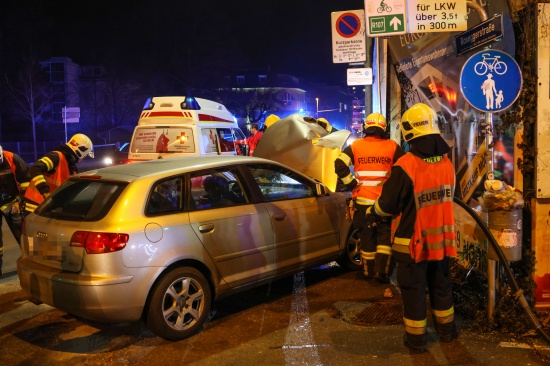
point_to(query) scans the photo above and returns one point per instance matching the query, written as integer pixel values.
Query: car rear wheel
(351, 257)
(180, 304)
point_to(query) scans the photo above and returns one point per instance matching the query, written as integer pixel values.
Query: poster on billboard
(428, 70)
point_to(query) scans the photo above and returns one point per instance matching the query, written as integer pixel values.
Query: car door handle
(206, 228)
(279, 216)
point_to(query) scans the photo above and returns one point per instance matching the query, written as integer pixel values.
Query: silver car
(159, 241)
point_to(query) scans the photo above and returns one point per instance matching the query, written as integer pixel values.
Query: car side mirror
(321, 190)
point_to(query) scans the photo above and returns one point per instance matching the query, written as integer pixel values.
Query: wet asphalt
(318, 317)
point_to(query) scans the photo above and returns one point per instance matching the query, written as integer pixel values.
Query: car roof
(129, 172)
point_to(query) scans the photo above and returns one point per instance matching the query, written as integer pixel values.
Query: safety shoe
(414, 349)
(446, 338)
(382, 278)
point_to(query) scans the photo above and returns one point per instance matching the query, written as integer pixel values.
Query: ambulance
(183, 126)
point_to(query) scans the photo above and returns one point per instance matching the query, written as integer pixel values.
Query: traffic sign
(491, 80)
(437, 16)
(348, 36)
(479, 35)
(71, 114)
(359, 76)
(385, 17)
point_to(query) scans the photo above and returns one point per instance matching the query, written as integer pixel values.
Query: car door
(305, 226)
(235, 233)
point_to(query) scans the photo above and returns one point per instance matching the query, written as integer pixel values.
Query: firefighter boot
(382, 265)
(447, 332)
(416, 343)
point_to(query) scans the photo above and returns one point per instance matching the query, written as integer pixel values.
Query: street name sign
(385, 17)
(348, 36)
(426, 16)
(491, 80)
(479, 35)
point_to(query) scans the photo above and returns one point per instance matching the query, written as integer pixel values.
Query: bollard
(506, 227)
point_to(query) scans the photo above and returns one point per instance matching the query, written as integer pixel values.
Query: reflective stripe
(48, 162)
(444, 316)
(372, 183)
(348, 178)
(38, 179)
(30, 207)
(368, 255)
(372, 173)
(415, 326)
(345, 158)
(401, 245)
(364, 201)
(383, 249)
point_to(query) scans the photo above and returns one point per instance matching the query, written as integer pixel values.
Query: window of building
(240, 80)
(262, 79)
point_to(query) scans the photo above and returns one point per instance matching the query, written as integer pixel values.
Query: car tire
(351, 257)
(180, 304)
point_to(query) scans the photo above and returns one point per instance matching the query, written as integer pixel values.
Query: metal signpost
(490, 81)
(70, 115)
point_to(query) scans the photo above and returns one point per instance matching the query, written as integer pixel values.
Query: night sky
(288, 36)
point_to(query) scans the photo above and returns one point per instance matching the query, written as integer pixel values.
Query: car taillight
(97, 243)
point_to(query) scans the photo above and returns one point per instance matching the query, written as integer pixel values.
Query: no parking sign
(491, 80)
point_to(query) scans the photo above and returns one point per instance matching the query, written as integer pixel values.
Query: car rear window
(81, 200)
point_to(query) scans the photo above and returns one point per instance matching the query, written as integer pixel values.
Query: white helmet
(81, 145)
(419, 120)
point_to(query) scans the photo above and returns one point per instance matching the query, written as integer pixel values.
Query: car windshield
(81, 200)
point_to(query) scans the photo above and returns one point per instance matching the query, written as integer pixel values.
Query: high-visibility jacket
(11, 186)
(53, 179)
(373, 159)
(434, 231)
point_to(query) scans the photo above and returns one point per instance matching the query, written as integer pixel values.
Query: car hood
(304, 146)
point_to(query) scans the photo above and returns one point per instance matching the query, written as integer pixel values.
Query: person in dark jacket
(50, 171)
(421, 188)
(14, 180)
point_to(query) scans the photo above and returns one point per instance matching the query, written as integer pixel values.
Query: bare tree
(252, 104)
(30, 90)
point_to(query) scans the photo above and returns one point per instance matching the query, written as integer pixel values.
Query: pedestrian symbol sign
(491, 81)
(385, 17)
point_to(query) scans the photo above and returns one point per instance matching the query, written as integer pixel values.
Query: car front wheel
(180, 304)
(351, 257)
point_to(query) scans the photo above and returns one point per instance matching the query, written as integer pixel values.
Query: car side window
(165, 197)
(217, 188)
(277, 183)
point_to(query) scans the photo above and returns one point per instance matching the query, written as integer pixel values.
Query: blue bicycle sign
(490, 63)
(490, 81)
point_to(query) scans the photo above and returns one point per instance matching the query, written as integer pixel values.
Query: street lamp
(316, 108)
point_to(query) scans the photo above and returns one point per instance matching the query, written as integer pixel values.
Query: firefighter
(372, 158)
(14, 180)
(421, 188)
(50, 171)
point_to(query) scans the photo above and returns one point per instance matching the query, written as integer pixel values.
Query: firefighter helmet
(271, 119)
(375, 120)
(324, 123)
(81, 145)
(419, 120)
